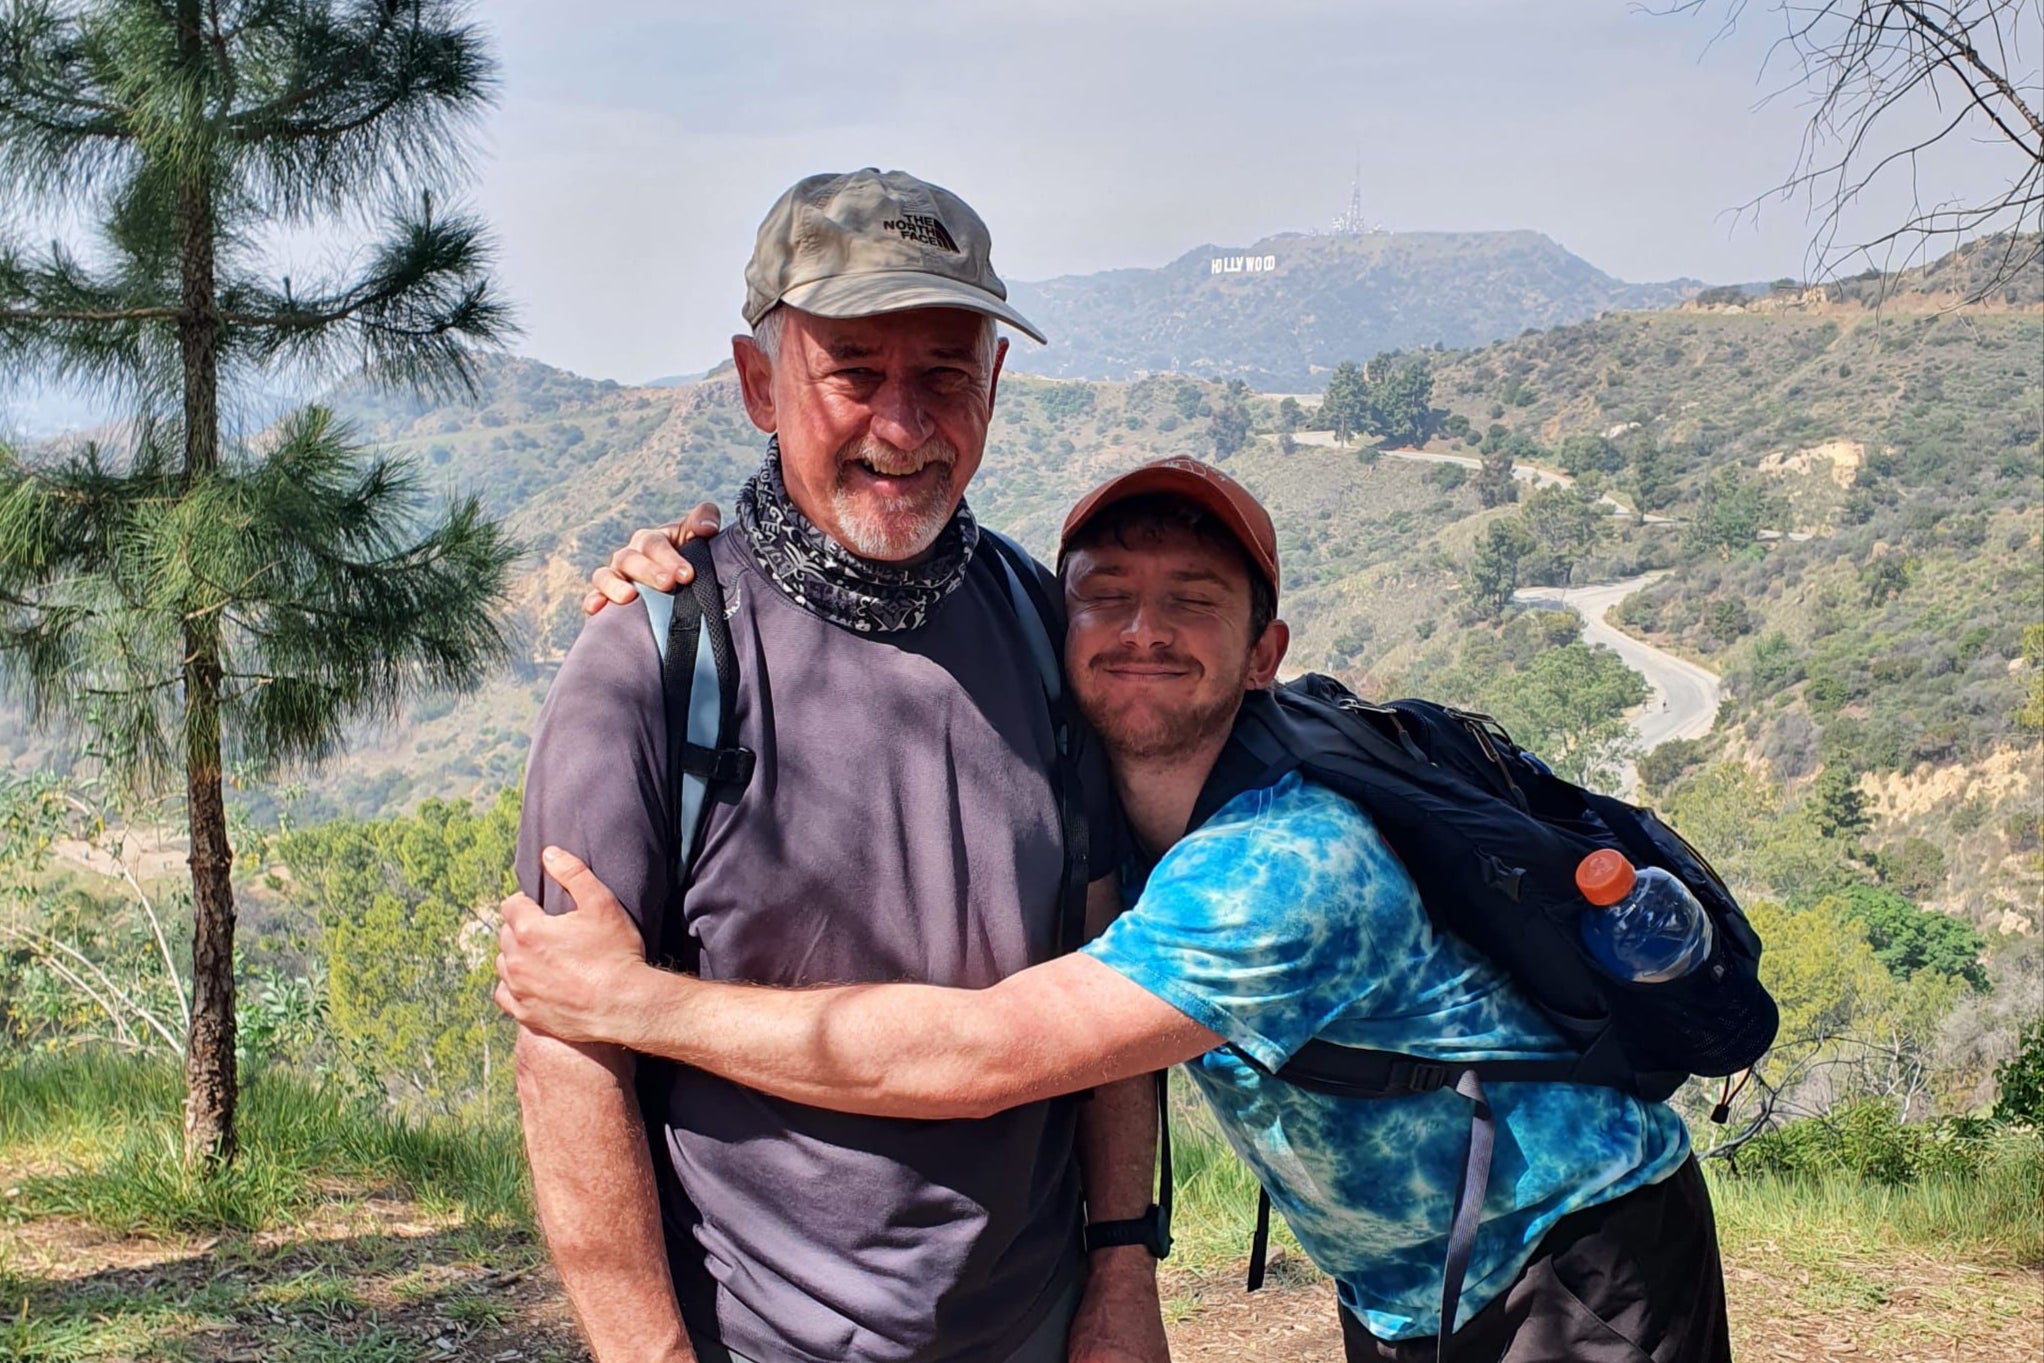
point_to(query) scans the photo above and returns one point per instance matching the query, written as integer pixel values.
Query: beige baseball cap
(875, 241)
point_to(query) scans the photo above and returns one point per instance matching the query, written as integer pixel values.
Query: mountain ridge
(1890, 455)
(1291, 305)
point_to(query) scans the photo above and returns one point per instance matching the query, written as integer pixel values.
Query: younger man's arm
(889, 1050)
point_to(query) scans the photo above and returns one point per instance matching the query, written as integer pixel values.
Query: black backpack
(1492, 840)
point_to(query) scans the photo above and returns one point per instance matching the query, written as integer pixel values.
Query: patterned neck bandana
(823, 577)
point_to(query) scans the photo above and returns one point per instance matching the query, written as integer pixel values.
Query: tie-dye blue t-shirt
(1284, 918)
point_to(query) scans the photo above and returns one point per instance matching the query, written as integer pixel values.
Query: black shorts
(1634, 1279)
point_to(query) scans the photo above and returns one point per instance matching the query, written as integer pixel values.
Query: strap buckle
(1422, 1076)
(721, 766)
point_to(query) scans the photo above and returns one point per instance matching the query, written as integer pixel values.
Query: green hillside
(1845, 498)
(1902, 442)
(1883, 439)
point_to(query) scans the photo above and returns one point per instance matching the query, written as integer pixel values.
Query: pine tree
(1494, 483)
(194, 597)
(1344, 405)
(1230, 425)
(1564, 522)
(1397, 399)
(1492, 574)
(1654, 471)
(1840, 807)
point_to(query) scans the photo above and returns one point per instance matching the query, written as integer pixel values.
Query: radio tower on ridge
(1353, 223)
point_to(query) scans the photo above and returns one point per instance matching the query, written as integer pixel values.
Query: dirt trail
(1539, 475)
(1784, 1306)
(384, 1280)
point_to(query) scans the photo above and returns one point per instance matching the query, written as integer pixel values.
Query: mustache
(1150, 656)
(866, 449)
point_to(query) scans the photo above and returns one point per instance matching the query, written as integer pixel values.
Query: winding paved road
(1685, 698)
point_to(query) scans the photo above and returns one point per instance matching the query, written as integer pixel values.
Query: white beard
(895, 528)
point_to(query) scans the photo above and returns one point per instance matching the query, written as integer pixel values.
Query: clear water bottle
(1643, 925)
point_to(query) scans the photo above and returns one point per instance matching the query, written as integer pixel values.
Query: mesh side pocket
(1716, 1020)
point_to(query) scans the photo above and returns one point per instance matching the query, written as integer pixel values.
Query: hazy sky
(638, 142)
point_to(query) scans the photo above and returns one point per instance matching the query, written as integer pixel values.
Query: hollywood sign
(1243, 264)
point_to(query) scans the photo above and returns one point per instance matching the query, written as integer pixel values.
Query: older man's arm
(592, 1179)
(593, 784)
(891, 1050)
(1120, 1316)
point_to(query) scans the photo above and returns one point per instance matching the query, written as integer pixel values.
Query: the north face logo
(920, 227)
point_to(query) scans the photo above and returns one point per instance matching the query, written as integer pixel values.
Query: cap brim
(883, 291)
(1183, 483)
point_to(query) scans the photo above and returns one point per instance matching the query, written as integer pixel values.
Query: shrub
(1868, 1139)
(408, 942)
(2024, 832)
(2019, 1080)
(1908, 940)
(1661, 768)
(1729, 620)
(1916, 867)
(1447, 477)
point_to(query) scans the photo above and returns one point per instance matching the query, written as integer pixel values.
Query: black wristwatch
(1151, 1230)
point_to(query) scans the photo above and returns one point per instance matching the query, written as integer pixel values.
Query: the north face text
(920, 227)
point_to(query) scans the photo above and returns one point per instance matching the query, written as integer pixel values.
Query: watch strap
(1148, 1230)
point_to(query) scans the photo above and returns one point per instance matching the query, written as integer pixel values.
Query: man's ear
(756, 381)
(1268, 652)
(994, 379)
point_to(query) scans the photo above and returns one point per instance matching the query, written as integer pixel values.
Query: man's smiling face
(882, 420)
(1159, 644)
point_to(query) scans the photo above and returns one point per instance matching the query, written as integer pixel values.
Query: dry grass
(363, 1242)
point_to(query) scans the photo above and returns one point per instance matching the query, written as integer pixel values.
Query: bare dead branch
(177, 984)
(50, 950)
(1870, 66)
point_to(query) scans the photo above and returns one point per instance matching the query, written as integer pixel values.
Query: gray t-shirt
(901, 825)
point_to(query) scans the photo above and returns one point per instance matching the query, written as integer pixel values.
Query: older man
(1280, 919)
(902, 822)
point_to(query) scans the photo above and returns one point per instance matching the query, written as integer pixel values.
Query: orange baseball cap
(1203, 484)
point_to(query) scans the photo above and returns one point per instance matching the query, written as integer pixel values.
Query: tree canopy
(1909, 940)
(192, 599)
(1391, 398)
(1344, 406)
(407, 915)
(1492, 574)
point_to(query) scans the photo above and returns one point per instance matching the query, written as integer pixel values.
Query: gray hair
(766, 334)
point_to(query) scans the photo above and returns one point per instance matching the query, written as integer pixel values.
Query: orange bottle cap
(1605, 877)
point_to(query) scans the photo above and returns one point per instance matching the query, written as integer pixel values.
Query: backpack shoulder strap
(1025, 593)
(699, 686)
